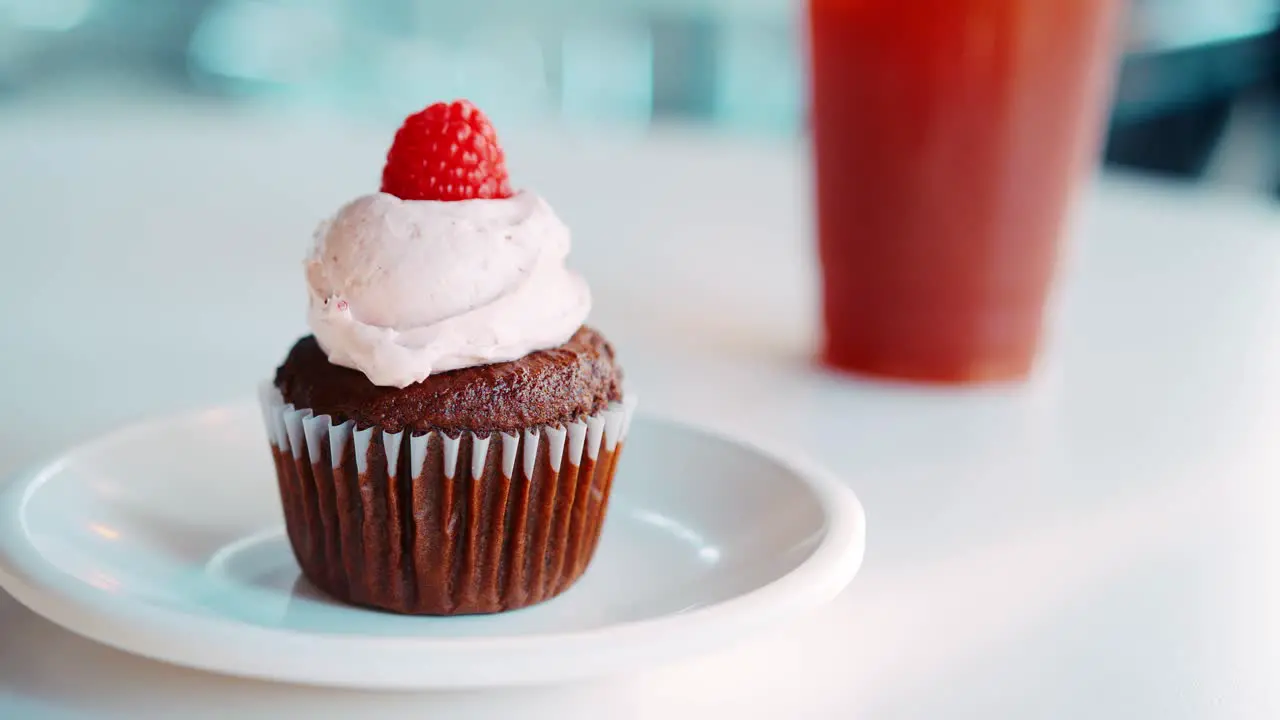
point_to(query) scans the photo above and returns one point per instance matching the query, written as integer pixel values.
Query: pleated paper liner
(435, 525)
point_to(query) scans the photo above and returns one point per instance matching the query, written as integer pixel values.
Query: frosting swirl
(401, 289)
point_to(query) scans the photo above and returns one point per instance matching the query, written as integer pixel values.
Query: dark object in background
(1274, 87)
(1177, 142)
(1182, 78)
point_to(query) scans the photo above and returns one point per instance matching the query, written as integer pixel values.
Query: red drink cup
(948, 137)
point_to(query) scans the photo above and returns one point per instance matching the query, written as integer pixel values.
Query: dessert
(446, 439)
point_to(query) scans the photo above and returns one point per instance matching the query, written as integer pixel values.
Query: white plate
(166, 540)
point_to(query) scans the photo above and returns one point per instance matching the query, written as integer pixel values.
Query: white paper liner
(378, 527)
(299, 430)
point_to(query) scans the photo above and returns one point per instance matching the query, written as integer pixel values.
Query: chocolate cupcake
(445, 442)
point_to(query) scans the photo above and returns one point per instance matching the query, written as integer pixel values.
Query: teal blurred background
(1196, 99)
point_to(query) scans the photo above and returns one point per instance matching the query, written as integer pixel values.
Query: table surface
(1101, 543)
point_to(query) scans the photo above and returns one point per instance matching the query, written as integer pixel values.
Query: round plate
(166, 540)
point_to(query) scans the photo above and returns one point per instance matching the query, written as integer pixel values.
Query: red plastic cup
(948, 138)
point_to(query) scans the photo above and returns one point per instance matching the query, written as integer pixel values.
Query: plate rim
(473, 662)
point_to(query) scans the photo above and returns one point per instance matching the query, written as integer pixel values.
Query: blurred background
(1197, 97)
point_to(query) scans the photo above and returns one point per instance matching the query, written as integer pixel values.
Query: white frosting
(401, 289)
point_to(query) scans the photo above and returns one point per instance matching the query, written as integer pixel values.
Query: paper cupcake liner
(436, 525)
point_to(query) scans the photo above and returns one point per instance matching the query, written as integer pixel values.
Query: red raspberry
(448, 151)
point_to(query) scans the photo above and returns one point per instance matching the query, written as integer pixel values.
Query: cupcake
(445, 441)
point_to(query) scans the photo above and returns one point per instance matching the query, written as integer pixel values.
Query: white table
(1100, 544)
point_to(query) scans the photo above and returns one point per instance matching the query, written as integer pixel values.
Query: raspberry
(448, 151)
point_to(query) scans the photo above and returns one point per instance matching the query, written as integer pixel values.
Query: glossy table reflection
(1099, 544)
